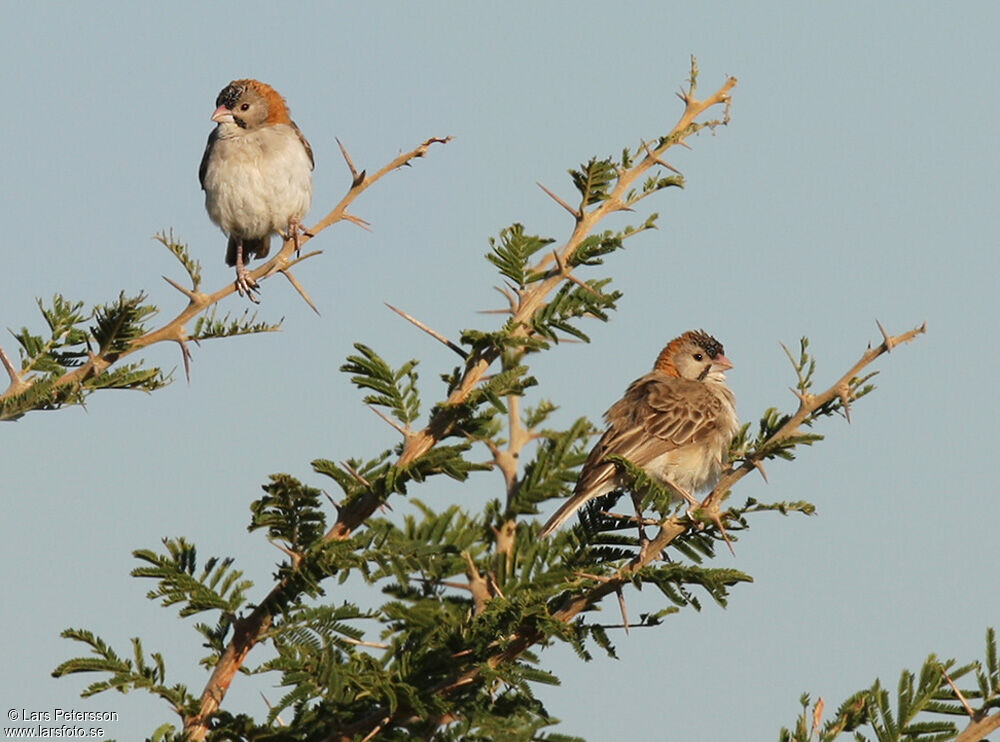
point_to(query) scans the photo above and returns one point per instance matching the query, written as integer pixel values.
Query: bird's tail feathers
(565, 512)
(593, 483)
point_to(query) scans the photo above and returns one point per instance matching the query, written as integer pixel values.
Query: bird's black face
(707, 345)
(696, 355)
(237, 99)
(229, 95)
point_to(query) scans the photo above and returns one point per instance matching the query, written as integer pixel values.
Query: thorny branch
(979, 728)
(175, 330)
(524, 303)
(669, 529)
(809, 403)
(247, 630)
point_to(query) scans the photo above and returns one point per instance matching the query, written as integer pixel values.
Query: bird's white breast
(257, 181)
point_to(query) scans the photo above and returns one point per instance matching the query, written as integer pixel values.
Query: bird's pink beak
(222, 115)
(722, 363)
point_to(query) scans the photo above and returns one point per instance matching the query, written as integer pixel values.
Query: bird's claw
(246, 284)
(294, 230)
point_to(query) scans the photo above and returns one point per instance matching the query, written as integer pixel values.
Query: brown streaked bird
(676, 423)
(256, 173)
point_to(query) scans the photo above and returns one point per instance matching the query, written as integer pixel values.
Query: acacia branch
(198, 302)
(978, 729)
(17, 384)
(363, 182)
(808, 404)
(532, 299)
(418, 443)
(669, 530)
(248, 631)
(673, 527)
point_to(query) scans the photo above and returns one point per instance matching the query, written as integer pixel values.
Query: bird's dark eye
(245, 106)
(697, 356)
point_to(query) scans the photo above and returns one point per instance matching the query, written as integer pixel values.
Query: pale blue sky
(858, 180)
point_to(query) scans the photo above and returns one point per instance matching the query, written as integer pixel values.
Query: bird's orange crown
(277, 109)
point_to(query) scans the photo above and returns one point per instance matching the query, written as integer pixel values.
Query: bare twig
(378, 728)
(658, 161)
(354, 473)
(566, 272)
(186, 357)
(809, 403)
(294, 556)
(389, 420)
(978, 729)
(17, 384)
(575, 212)
(433, 333)
(298, 287)
(759, 466)
(817, 714)
(621, 607)
(357, 221)
(958, 694)
(281, 722)
(356, 177)
(362, 181)
(360, 643)
(477, 584)
(191, 295)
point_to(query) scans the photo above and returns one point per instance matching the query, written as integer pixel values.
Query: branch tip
(804, 397)
(361, 181)
(191, 295)
(298, 287)
(657, 160)
(958, 694)
(186, 355)
(433, 333)
(356, 178)
(621, 607)
(717, 521)
(354, 473)
(15, 377)
(357, 221)
(336, 505)
(759, 466)
(575, 212)
(403, 431)
(845, 400)
(887, 339)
